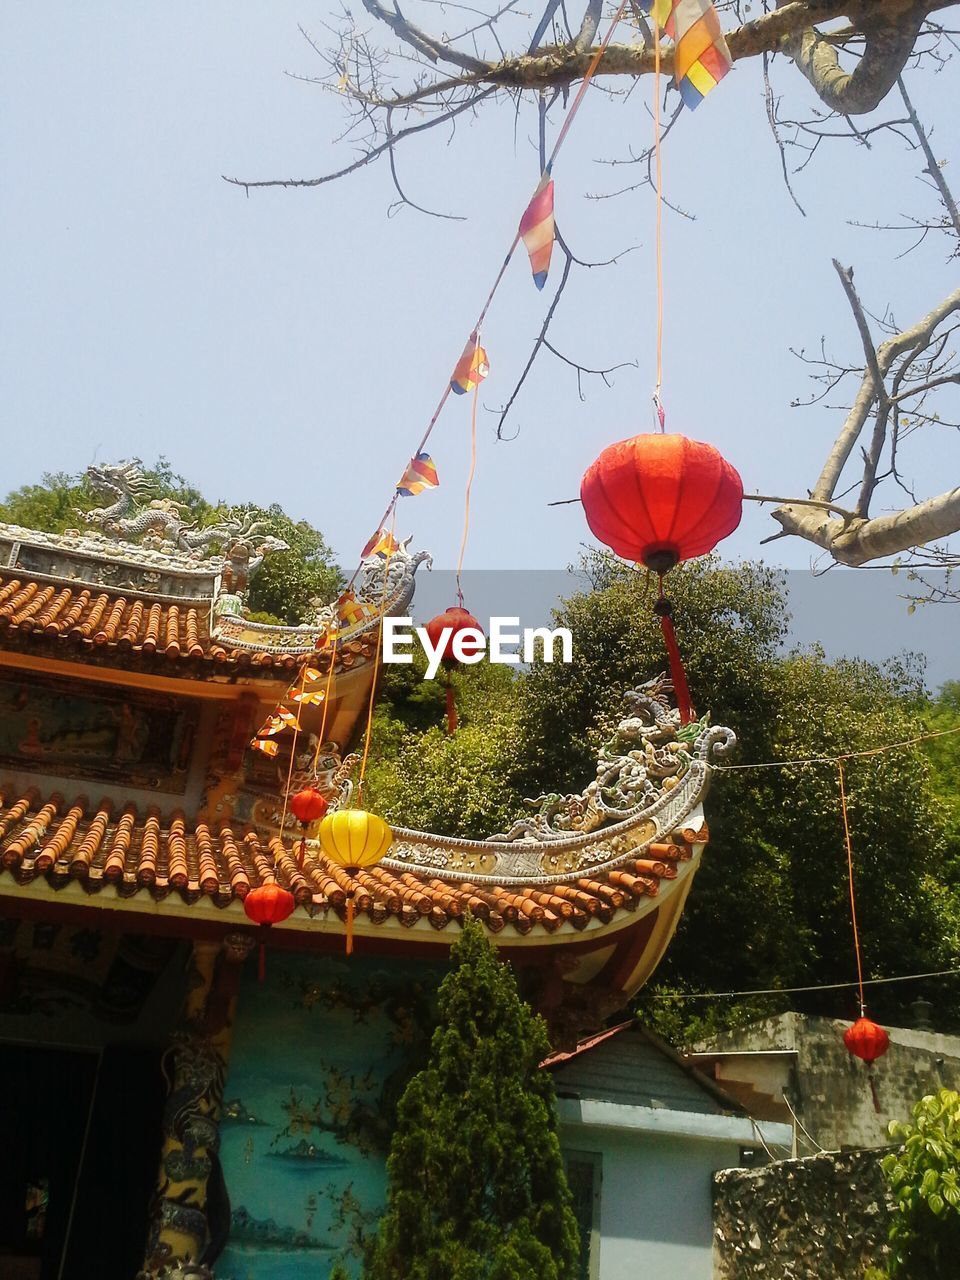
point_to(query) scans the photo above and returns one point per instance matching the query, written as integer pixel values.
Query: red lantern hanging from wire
(267, 905)
(307, 806)
(464, 637)
(866, 1040)
(657, 499)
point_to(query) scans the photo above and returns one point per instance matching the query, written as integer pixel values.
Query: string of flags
(701, 60)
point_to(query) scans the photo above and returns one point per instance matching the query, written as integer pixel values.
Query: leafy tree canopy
(770, 905)
(281, 591)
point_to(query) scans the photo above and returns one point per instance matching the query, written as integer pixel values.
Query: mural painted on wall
(57, 726)
(322, 1051)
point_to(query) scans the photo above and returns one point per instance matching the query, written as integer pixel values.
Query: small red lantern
(660, 499)
(866, 1040)
(308, 805)
(456, 620)
(266, 905)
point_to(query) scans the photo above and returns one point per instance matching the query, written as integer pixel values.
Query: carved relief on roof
(652, 776)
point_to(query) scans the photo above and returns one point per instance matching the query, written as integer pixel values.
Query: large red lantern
(660, 499)
(266, 905)
(456, 620)
(866, 1040)
(657, 500)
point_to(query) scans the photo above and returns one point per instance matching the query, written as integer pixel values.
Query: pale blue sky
(289, 347)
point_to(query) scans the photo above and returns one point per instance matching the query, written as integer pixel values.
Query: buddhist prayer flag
(383, 543)
(472, 368)
(309, 698)
(282, 719)
(420, 474)
(350, 610)
(268, 747)
(701, 56)
(536, 231)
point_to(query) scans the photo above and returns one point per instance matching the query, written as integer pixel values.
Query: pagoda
(136, 816)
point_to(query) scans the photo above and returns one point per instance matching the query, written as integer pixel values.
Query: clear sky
(290, 346)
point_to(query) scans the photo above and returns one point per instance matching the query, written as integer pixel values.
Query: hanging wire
(849, 755)
(473, 465)
(790, 991)
(853, 899)
(376, 666)
(658, 162)
(293, 748)
(561, 137)
(334, 630)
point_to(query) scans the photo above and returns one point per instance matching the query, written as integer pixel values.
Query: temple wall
(322, 1050)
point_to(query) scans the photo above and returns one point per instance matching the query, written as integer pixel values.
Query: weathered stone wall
(824, 1216)
(831, 1090)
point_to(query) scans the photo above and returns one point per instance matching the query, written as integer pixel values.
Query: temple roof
(138, 856)
(76, 621)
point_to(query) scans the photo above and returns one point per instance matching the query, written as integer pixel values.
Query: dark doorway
(81, 1146)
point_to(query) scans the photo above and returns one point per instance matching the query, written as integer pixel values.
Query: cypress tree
(476, 1185)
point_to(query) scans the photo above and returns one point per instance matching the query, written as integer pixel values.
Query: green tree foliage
(924, 1176)
(476, 1186)
(287, 583)
(770, 905)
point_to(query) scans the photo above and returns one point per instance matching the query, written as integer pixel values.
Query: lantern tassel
(664, 610)
(350, 925)
(451, 709)
(302, 853)
(873, 1088)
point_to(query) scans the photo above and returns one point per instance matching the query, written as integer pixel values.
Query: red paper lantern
(308, 805)
(866, 1040)
(659, 499)
(458, 620)
(269, 904)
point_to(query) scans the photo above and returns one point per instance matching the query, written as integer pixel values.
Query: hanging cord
(471, 471)
(544, 177)
(373, 684)
(853, 901)
(334, 631)
(658, 165)
(849, 755)
(664, 611)
(293, 751)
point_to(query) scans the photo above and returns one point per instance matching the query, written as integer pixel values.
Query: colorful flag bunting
(420, 474)
(472, 368)
(266, 745)
(308, 698)
(280, 720)
(350, 610)
(701, 56)
(536, 231)
(383, 543)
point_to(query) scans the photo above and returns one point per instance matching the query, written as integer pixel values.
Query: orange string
(376, 665)
(335, 627)
(658, 160)
(293, 749)
(853, 903)
(470, 473)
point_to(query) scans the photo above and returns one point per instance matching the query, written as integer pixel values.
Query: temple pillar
(185, 1233)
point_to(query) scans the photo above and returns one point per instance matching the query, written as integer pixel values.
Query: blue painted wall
(321, 1052)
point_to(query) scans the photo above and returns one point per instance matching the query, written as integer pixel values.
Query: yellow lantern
(354, 838)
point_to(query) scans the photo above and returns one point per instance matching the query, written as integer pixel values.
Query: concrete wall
(825, 1216)
(655, 1201)
(833, 1095)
